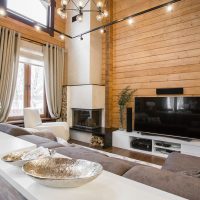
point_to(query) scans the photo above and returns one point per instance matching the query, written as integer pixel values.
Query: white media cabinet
(122, 139)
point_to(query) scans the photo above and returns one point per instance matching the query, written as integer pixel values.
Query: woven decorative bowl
(15, 158)
(62, 172)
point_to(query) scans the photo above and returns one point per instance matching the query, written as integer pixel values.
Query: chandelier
(80, 8)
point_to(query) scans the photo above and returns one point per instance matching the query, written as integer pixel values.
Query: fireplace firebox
(87, 118)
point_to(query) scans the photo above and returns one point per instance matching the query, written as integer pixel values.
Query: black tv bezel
(178, 137)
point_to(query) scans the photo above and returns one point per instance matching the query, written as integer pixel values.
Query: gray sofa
(179, 175)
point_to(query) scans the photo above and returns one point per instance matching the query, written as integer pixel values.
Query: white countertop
(107, 186)
(9, 143)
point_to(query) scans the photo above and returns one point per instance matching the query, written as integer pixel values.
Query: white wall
(84, 56)
(85, 97)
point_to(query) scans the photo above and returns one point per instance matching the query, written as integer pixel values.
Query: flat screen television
(169, 116)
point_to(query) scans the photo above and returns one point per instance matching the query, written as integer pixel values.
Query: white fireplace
(86, 98)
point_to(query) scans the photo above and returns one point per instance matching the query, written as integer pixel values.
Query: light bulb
(99, 17)
(169, 8)
(103, 30)
(80, 4)
(99, 4)
(62, 13)
(62, 37)
(37, 27)
(2, 12)
(130, 21)
(79, 17)
(64, 2)
(105, 13)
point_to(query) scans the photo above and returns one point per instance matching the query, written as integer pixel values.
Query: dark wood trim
(51, 16)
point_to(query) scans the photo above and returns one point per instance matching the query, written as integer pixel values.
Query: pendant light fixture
(80, 8)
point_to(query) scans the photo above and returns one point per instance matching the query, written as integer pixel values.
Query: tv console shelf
(158, 145)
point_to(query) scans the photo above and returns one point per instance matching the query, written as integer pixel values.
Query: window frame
(27, 95)
(50, 17)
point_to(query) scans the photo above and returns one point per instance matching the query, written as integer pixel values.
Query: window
(29, 90)
(31, 12)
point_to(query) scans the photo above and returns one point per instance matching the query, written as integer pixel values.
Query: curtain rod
(32, 41)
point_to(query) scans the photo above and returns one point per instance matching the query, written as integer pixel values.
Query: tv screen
(172, 116)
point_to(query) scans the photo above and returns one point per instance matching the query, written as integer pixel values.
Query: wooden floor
(129, 154)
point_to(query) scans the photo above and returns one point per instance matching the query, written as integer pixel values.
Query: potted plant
(124, 97)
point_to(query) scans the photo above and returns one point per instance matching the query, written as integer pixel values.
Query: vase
(121, 117)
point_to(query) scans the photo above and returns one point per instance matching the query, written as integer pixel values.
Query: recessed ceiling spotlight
(169, 8)
(2, 12)
(37, 27)
(130, 20)
(62, 37)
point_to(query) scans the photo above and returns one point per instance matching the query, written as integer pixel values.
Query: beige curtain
(9, 56)
(54, 69)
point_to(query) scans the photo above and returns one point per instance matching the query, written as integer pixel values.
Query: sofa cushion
(177, 162)
(51, 145)
(13, 130)
(181, 185)
(35, 139)
(46, 134)
(113, 165)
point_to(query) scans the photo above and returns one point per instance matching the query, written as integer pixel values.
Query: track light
(103, 30)
(2, 12)
(37, 28)
(130, 21)
(79, 17)
(81, 38)
(62, 37)
(169, 8)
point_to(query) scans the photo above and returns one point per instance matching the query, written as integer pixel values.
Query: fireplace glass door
(87, 118)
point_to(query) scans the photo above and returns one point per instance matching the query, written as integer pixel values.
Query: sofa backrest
(13, 130)
(177, 162)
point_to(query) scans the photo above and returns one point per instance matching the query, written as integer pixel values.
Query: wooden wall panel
(29, 32)
(159, 50)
